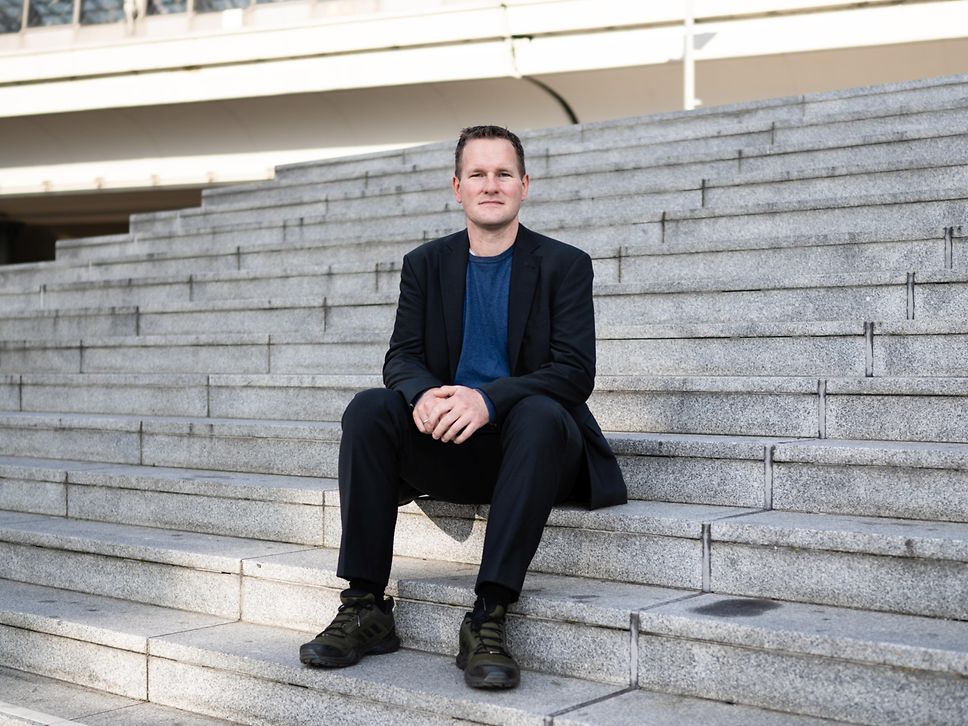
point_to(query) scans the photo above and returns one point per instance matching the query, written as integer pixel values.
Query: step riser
(861, 302)
(185, 588)
(916, 586)
(88, 664)
(788, 356)
(71, 326)
(744, 414)
(625, 557)
(815, 686)
(927, 494)
(238, 697)
(278, 521)
(848, 186)
(118, 447)
(822, 259)
(936, 214)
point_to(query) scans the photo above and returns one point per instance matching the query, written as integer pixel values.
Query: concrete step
(224, 272)
(604, 543)
(880, 478)
(873, 249)
(249, 672)
(892, 409)
(922, 208)
(260, 506)
(888, 296)
(649, 265)
(349, 352)
(859, 666)
(297, 281)
(641, 191)
(892, 565)
(553, 628)
(720, 182)
(882, 409)
(746, 157)
(32, 700)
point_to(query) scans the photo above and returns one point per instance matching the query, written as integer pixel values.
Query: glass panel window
(11, 13)
(208, 6)
(166, 7)
(50, 12)
(102, 11)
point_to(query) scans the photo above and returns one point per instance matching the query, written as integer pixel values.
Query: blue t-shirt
(484, 352)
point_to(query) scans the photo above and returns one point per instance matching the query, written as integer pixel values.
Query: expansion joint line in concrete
(949, 241)
(269, 354)
(137, 320)
(325, 315)
(238, 258)
(208, 396)
(706, 556)
(768, 477)
(910, 296)
(739, 161)
(620, 258)
(662, 226)
(702, 193)
(869, 349)
(141, 443)
(634, 649)
(549, 720)
(80, 356)
(822, 408)
(191, 288)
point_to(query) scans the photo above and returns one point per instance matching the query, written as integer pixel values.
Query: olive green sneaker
(361, 627)
(484, 656)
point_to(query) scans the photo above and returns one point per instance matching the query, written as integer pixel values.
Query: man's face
(490, 186)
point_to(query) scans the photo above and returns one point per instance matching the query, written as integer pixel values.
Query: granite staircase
(781, 290)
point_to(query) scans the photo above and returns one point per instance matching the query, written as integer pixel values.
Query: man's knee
(372, 406)
(544, 418)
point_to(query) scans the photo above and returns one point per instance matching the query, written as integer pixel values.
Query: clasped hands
(450, 413)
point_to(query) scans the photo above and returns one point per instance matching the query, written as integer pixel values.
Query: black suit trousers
(521, 469)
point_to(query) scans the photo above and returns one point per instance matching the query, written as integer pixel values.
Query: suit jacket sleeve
(405, 368)
(567, 374)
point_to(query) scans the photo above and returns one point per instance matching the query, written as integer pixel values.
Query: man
(490, 363)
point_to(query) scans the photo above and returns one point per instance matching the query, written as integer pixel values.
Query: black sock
(491, 594)
(371, 587)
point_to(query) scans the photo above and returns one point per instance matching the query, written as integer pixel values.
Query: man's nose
(490, 183)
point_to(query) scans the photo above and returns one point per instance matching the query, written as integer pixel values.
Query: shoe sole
(307, 657)
(493, 680)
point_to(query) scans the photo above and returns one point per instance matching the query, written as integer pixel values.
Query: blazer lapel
(524, 279)
(453, 281)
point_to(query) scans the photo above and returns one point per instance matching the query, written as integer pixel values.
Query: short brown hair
(487, 132)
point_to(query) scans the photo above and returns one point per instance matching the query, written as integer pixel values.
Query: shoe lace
(345, 616)
(490, 636)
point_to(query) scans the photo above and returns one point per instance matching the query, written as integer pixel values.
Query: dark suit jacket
(551, 338)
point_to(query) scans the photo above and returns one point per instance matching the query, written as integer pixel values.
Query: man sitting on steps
(490, 363)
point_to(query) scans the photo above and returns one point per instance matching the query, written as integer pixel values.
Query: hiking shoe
(484, 656)
(361, 627)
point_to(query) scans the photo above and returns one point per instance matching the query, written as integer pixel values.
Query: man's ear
(456, 183)
(525, 183)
